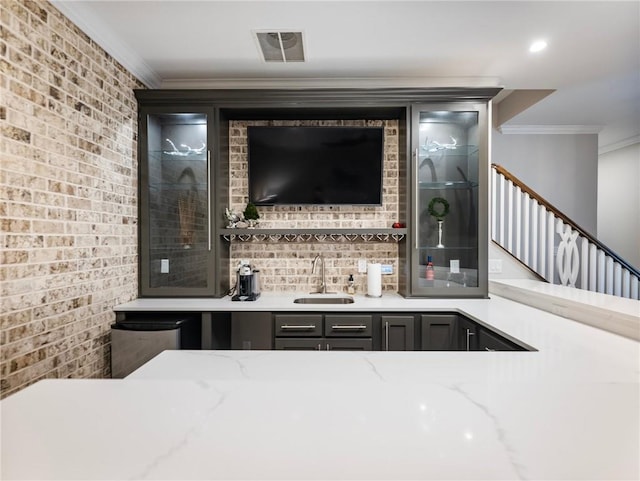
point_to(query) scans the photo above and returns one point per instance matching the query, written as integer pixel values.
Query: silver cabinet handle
(304, 327)
(319, 346)
(490, 350)
(354, 327)
(209, 199)
(328, 347)
(416, 203)
(469, 334)
(386, 335)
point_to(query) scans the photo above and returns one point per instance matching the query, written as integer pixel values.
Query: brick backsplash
(287, 266)
(68, 188)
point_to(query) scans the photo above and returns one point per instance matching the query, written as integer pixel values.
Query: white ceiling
(592, 61)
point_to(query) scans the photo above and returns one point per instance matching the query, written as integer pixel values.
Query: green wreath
(432, 207)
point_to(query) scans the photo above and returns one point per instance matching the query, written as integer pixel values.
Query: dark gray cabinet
(347, 325)
(488, 340)
(397, 332)
(325, 332)
(298, 325)
(448, 237)
(298, 344)
(179, 252)
(439, 332)
(323, 344)
(387, 331)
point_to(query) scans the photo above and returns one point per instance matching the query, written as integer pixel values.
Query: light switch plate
(164, 266)
(362, 266)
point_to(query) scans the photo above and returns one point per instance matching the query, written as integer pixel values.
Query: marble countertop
(570, 410)
(275, 301)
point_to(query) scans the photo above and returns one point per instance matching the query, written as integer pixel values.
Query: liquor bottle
(430, 274)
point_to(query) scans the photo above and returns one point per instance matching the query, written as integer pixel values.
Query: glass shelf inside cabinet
(429, 150)
(456, 184)
(447, 248)
(184, 155)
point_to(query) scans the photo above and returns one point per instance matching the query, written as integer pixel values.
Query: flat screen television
(315, 165)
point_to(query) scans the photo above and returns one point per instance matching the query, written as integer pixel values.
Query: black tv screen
(315, 165)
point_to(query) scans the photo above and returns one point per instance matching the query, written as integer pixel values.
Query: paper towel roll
(374, 280)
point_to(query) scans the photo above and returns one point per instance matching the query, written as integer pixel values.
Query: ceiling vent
(281, 46)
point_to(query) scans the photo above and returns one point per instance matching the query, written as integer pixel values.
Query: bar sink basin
(324, 300)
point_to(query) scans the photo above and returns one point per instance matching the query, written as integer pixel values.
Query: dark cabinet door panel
(489, 341)
(397, 333)
(438, 332)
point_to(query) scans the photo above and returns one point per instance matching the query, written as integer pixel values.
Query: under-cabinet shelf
(318, 235)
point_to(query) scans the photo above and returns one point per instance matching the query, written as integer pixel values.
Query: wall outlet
(495, 266)
(362, 266)
(386, 269)
(164, 266)
(454, 266)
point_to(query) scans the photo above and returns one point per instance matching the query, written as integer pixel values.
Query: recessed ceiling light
(538, 46)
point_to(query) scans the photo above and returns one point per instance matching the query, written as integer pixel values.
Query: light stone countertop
(570, 410)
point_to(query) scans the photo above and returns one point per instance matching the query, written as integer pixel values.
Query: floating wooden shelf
(318, 235)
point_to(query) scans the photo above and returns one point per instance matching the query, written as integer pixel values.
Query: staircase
(552, 245)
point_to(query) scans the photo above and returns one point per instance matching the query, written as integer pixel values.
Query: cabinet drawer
(298, 325)
(336, 325)
(299, 344)
(343, 344)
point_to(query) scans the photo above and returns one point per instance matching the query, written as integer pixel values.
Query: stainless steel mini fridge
(136, 341)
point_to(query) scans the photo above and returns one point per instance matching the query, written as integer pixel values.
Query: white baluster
(617, 279)
(634, 288)
(494, 203)
(518, 221)
(593, 268)
(542, 230)
(626, 283)
(609, 278)
(525, 222)
(551, 236)
(502, 214)
(568, 258)
(601, 273)
(534, 235)
(510, 216)
(584, 263)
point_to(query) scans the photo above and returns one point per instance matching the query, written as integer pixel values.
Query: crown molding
(620, 144)
(86, 21)
(550, 129)
(334, 82)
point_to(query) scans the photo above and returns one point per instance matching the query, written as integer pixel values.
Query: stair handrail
(550, 207)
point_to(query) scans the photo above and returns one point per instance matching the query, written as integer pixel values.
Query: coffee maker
(247, 283)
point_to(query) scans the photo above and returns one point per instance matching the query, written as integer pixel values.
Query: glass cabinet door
(450, 222)
(176, 236)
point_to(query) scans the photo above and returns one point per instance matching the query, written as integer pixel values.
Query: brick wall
(68, 189)
(286, 266)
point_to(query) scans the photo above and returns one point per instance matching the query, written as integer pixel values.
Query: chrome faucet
(323, 286)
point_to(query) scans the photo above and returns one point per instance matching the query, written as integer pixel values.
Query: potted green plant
(251, 215)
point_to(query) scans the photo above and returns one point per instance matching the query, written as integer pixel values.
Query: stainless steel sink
(324, 300)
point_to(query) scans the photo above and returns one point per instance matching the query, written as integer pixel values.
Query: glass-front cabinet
(449, 202)
(176, 178)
